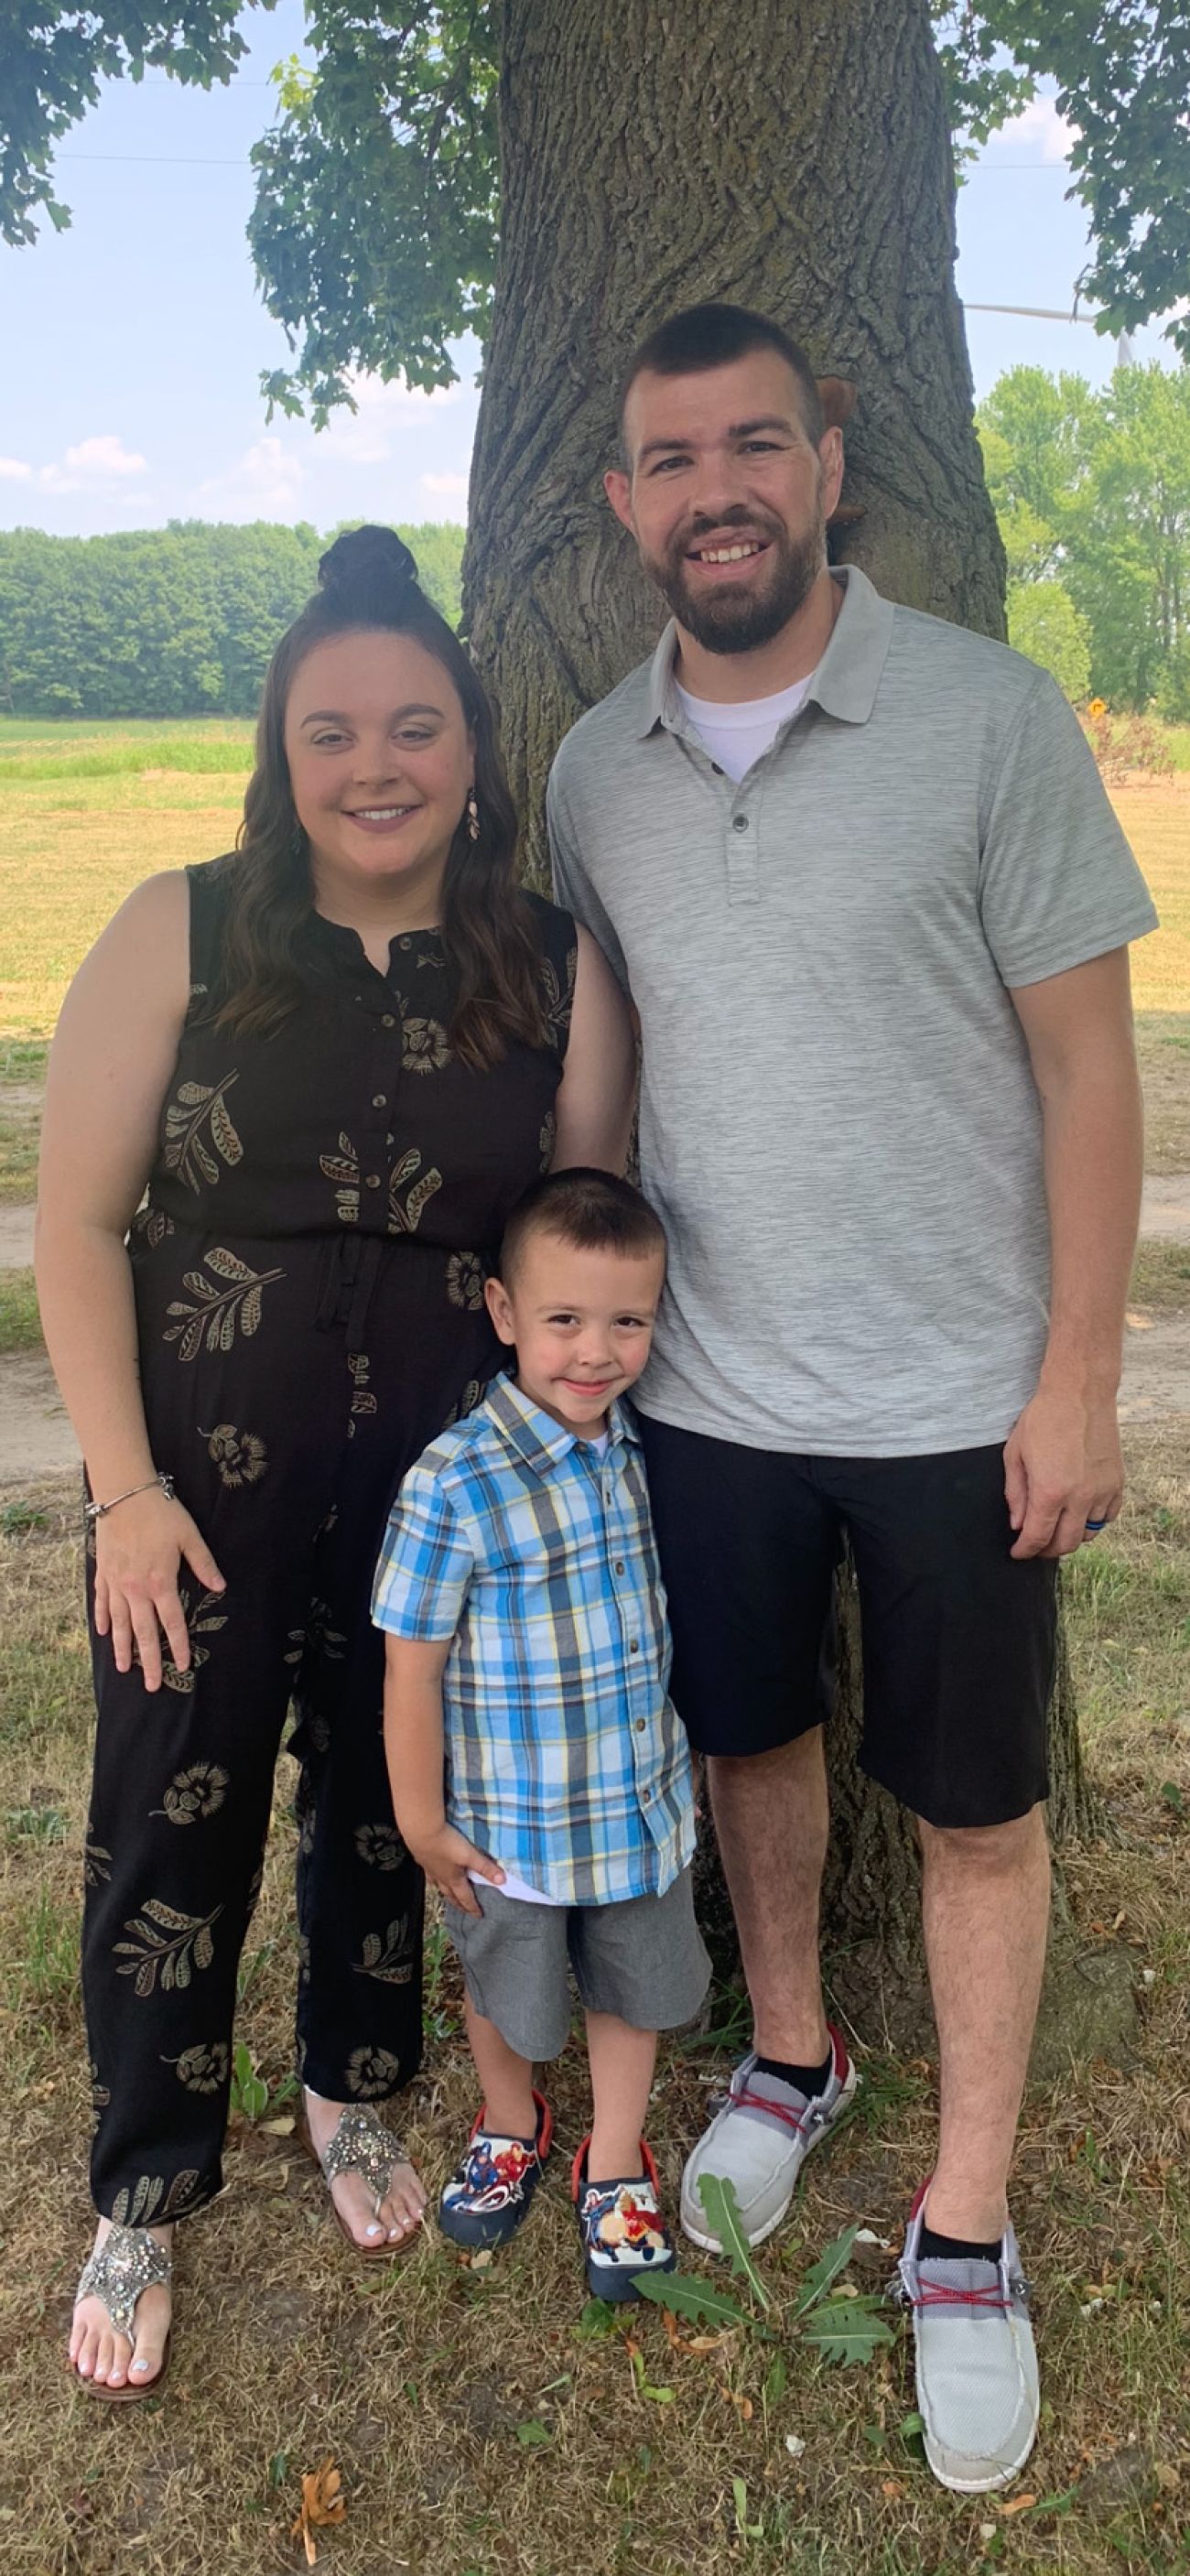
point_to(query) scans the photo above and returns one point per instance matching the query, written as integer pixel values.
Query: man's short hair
(593, 1211)
(714, 335)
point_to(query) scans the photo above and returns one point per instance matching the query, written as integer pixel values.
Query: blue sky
(139, 401)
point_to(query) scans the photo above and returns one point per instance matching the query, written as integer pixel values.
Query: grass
(20, 1322)
(484, 2421)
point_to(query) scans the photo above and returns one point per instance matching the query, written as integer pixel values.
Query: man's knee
(979, 1850)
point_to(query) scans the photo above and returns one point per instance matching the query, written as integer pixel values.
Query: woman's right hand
(139, 1549)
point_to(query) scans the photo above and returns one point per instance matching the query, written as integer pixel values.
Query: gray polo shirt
(839, 1126)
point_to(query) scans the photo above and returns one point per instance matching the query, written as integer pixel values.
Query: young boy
(526, 1637)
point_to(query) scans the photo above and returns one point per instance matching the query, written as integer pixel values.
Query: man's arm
(1063, 1465)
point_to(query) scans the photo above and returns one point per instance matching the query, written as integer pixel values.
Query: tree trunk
(793, 156)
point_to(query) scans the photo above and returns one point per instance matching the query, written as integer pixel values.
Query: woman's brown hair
(368, 582)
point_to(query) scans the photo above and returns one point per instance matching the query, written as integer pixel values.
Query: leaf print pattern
(380, 1846)
(372, 2073)
(559, 993)
(194, 1794)
(343, 1169)
(166, 1944)
(151, 1225)
(201, 2069)
(426, 1047)
(97, 1863)
(198, 1105)
(389, 1960)
(100, 2098)
(404, 1215)
(470, 1397)
(149, 2199)
(240, 1456)
(203, 1621)
(214, 1317)
(547, 1139)
(464, 1281)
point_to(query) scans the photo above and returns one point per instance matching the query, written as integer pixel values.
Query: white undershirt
(736, 736)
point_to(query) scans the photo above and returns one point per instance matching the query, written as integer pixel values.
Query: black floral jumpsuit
(308, 1271)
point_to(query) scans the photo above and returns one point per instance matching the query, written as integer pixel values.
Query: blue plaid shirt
(566, 1759)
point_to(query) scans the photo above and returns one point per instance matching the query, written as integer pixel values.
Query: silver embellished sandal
(361, 2144)
(128, 2262)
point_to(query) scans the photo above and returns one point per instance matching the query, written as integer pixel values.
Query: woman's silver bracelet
(99, 1511)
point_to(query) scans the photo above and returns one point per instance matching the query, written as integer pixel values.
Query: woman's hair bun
(367, 571)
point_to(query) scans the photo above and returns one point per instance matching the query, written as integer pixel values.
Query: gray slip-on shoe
(977, 2383)
(758, 2141)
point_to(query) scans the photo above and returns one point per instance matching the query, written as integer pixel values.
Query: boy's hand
(446, 1857)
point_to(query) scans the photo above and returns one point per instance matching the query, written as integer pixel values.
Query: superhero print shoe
(620, 2222)
(489, 2192)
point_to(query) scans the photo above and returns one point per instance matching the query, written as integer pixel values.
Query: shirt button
(373, 1181)
(645, 1796)
(739, 823)
(618, 1567)
(634, 1645)
(406, 943)
(387, 1021)
(640, 1726)
(378, 1100)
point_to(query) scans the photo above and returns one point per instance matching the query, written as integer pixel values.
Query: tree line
(175, 621)
(1092, 494)
(1091, 491)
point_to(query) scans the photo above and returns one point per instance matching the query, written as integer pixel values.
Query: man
(857, 871)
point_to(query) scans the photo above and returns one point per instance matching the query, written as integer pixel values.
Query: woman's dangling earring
(472, 815)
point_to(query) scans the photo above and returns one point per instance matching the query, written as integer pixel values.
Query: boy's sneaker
(623, 2231)
(488, 2195)
(759, 2141)
(977, 2386)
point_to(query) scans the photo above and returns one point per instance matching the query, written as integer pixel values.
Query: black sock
(804, 2079)
(956, 2249)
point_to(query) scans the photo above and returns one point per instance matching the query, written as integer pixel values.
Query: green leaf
(644, 2388)
(533, 2435)
(723, 2218)
(747, 2530)
(847, 2330)
(685, 2294)
(823, 2274)
(775, 2378)
(598, 2320)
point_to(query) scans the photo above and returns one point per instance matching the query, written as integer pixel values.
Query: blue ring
(1095, 1526)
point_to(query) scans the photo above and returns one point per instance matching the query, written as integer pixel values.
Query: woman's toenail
(140, 2365)
(373, 2229)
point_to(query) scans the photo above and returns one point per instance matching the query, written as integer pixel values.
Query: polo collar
(533, 1433)
(847, 677)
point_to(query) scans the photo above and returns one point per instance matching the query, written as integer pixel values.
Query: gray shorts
(642, 1960)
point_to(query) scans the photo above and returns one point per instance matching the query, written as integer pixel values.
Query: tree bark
(793, 156)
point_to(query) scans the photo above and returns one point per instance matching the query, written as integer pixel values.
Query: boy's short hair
(703, 336)
(594, 1211)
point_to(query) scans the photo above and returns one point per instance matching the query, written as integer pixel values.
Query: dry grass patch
(483, 2425)
(1157, 823)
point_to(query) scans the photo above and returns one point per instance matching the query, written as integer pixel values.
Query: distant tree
(1093, 490)
(1044, 623)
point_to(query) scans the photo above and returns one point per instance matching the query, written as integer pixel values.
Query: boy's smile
(581, 1323)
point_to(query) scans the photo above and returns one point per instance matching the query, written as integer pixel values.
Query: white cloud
(1039, 128)
(91, 466)
(451, 487)
(263, 484)
(364, 436)
(12, 470)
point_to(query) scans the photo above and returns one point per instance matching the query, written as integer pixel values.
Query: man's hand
(1062, 1468)
(446, 1857)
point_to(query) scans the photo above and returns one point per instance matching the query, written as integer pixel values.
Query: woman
(336, 1058)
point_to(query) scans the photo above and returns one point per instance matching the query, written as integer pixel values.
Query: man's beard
(738, 617)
